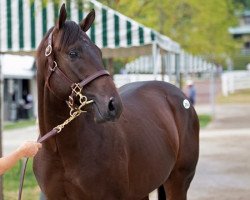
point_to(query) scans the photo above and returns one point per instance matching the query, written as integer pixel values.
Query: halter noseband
(53, 67)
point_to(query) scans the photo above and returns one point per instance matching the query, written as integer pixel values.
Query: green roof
(23, 24)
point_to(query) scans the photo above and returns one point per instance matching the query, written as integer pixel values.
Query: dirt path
(14, 138)
(223, 171)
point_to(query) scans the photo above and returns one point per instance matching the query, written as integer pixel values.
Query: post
(177, 70)
(212, 90)
(154, 55)
(110, 66)
(1, 123)
(163, 68)
(169, 66)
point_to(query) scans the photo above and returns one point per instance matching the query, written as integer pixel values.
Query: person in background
(191, 92)
(28, 149)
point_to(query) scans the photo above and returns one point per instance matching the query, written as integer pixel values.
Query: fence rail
(122, 79)
(235, 80)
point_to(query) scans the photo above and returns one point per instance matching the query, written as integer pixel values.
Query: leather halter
(53, 67)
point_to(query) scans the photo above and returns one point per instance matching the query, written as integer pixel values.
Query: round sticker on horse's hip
(186, 104)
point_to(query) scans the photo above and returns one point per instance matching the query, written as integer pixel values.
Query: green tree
(244, 3)
(201, 27)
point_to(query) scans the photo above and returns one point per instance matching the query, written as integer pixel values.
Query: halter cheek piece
(76, 88)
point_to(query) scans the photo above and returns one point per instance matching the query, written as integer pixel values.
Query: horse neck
(51, 110)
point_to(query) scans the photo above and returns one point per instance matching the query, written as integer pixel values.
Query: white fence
(188, 64)
(122, 79)
(235, 80)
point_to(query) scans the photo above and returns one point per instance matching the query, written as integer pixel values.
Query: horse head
(67, 56)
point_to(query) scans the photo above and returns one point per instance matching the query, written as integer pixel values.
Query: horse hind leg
(176, 186)
(178, 182)
(161, 193)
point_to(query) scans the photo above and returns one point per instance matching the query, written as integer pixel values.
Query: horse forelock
(71, 32)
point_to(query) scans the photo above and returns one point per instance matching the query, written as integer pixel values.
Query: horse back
(159, 99)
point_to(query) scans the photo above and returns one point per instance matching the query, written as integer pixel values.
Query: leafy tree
(244, 3)
(201, 27)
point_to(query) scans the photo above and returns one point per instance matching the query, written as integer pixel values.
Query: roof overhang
(17, 67)
(240, 30)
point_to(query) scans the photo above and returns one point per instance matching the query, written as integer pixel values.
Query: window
(247, 45)
(247, 20)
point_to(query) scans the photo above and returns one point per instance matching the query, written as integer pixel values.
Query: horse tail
(161, 193)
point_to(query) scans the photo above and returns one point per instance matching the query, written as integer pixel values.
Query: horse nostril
(111, 105)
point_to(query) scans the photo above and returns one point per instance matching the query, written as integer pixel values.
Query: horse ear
(86, 23)
(62, 17)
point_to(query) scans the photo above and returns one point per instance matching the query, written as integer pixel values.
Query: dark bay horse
(128, 143)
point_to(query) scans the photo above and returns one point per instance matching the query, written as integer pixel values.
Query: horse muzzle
(108, 111)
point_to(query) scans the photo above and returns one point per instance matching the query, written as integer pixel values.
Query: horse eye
(73, 54)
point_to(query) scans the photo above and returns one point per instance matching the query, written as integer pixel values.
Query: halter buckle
(48, 50)
(54, 67)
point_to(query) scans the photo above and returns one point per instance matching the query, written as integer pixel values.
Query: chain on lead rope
(75, 111)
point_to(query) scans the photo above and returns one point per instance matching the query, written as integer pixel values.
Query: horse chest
(101, 167)
(84, 180)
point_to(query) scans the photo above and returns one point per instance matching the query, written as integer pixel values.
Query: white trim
(123, 33)
(50, 15)
(74, 11)
(110, 29)
(98, 27)
(3, 28)
(15, 25)
(38, 22)
(26, 26)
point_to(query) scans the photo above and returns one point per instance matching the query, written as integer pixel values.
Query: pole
(154, 55)
(110, 66)
(212, 91)
(177, 70)
(1, 123)
(163, 67)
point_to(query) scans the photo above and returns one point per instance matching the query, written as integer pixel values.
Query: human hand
(29, 149)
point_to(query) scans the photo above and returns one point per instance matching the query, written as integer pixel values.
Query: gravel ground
(223, 171)
(14, 138)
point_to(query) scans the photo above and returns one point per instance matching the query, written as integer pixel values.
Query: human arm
(28, 149)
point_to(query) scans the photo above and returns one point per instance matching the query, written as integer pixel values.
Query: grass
(31, 190)
(204, 120)
(239, 97)
(19, 124)
(11, 178)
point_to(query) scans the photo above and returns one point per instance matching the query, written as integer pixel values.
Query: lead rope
(75, 111)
